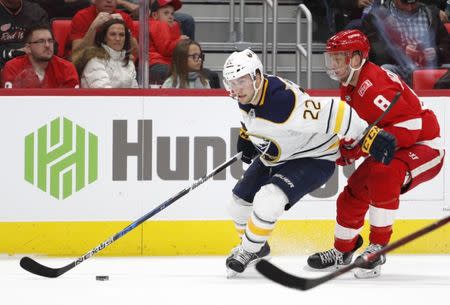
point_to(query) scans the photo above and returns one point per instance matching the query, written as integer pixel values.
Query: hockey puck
(102, 278)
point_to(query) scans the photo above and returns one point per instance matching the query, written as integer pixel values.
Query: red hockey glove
(349, 154)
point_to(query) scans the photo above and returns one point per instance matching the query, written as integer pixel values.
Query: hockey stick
(359, 140)
(32, 266)
(286, 279)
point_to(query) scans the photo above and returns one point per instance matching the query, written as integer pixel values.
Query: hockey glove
(380, 145)
(349, 154)
(246, 146)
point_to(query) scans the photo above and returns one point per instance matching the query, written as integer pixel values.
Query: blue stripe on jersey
(278, 105)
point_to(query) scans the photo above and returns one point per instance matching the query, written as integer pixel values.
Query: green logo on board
(61, 158)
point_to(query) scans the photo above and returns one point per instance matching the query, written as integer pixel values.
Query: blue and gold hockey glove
(246, 146)
(380, 145)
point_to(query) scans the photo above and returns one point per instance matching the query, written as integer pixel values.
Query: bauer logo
(61, 158)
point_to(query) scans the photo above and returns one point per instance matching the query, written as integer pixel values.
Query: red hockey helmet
(339, 52)
(349, 41)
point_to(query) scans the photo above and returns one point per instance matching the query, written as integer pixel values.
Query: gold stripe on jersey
(333, 146)
(257, 230)
(339, 116)
(263, 96)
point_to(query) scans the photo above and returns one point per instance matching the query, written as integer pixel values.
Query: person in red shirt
(374, 186)
(86, 22)
(39, 68)
(164, 35)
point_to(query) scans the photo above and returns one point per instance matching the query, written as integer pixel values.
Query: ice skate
(371, 269)
(332, 259)
(240, 259)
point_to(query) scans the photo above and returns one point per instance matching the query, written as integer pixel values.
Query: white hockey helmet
(241, 63)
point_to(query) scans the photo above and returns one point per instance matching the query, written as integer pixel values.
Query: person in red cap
(374, 188)
(39, 68)
(164, 35)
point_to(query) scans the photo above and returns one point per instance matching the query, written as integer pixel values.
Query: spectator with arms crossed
(406, 35)
(39, 68)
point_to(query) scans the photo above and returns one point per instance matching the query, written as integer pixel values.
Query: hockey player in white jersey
(296, 140)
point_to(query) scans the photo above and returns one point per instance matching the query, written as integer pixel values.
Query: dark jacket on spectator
(13, 26)
(381, 50)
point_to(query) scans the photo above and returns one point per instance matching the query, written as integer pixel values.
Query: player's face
(107, 6)
(41, 46)
(242, 89)
(337, 65)
(115, 37)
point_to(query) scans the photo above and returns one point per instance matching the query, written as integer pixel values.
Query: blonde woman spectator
(108, 64)
(187, 67)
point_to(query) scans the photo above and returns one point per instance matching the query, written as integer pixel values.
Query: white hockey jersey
(288, 124)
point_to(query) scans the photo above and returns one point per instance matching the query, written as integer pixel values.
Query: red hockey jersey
(19, 73)
(407, 120)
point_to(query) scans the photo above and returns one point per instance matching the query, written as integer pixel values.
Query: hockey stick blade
(33, 266)
(284, 278)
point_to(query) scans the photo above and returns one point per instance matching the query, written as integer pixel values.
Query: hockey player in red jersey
(374, 186)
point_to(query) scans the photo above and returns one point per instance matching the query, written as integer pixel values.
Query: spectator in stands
(440, 4)
(16, 16)
(406, 35)
(186, 21)
(62, 8)
(39, 68)
(187, 67)
(86, 22)
(164, 35)
(348, 14)
(108, 64)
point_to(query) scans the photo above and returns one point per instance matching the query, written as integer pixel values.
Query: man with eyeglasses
(15, 17)
(39, 68)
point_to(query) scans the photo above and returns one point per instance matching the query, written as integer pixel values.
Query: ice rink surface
(405, 279)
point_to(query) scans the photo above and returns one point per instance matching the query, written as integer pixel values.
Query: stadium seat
(61, 31)
(425, 79)
(447, 26)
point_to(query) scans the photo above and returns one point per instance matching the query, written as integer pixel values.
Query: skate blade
(361, 273)
(231, 274)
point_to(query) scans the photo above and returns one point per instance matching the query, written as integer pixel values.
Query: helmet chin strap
(352, 72)
(256, 89)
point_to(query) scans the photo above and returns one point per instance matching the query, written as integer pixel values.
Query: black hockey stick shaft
(33, 266)
(275, 274)
(361, 137)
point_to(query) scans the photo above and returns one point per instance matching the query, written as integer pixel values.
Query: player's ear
(356, 59)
